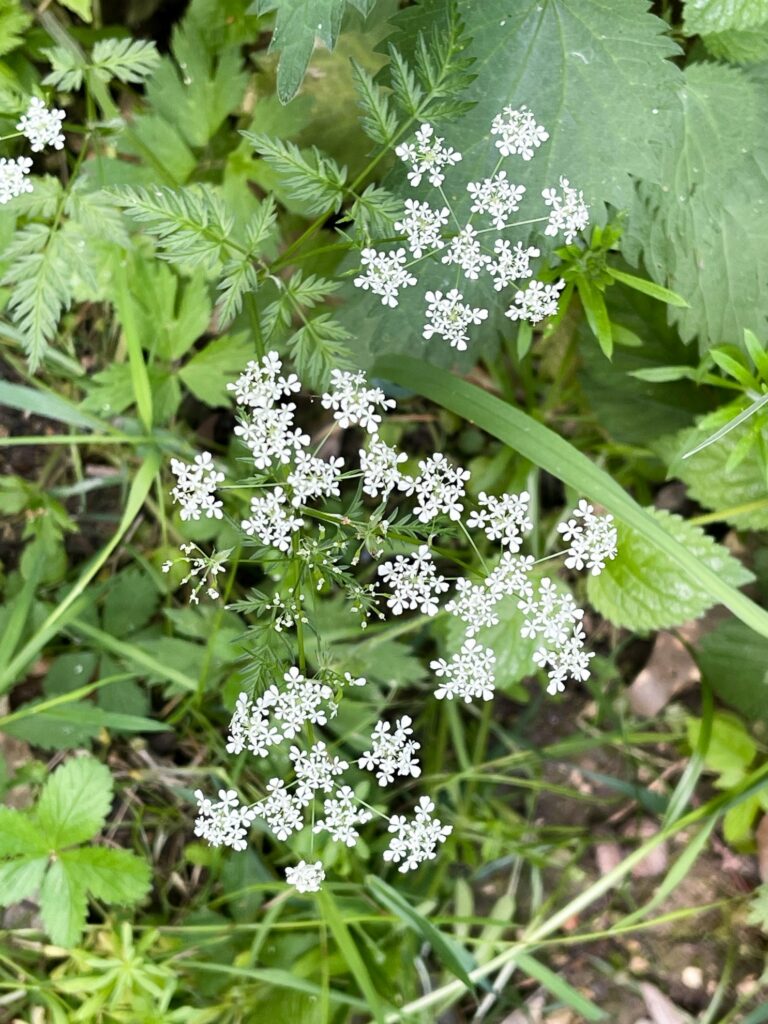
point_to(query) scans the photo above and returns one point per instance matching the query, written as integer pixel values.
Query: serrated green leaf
(60, 728)
(114, 876)
(703, 226)
(314, 178)
(14, 20)
(702, 16)
(131, 602)
(297, 26)
(731, 749)
(20, 879)
(379, 121)
(82, 8)
(63, 905)
(19, 835)
(74, 802)
(747, 46)
(732, 643)
(740, 491)
(208, 371)
(643, 589)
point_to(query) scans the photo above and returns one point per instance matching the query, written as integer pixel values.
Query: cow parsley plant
(392, 535)
(41, 127)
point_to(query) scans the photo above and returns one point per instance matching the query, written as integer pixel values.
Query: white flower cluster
(424, 227)
(203, 569)
(41, 127)
(312, 787)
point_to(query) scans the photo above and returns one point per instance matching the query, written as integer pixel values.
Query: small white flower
(42, 126)
(553, 617)
(315, 769)
(270, 520)
(497, 197)
(413, 583)
(282, 811)
(416, 840)
(251, 728)
(305, 877)
(537, 302)
(427, 155)
(511, 264)
(592, 539)
(569, 213)
(474, 605)
(385, 274)
(449, 316)
(354, 402)
(313, 477)
(271, 436)
(511, 577)
(224, 823)
(262, 384)
(301, 702)
(392, 752)
(519, 132)
(469, 673)
(380, 465)
(464, 250)
(196, 486)
(422, 225)
(504, 519)
(342, 816)
(14, 178)
(439, 489)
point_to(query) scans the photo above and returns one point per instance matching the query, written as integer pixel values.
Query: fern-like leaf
(379, 120)
(318, 347)
(239, 278)
(129, 60)
(316, 180)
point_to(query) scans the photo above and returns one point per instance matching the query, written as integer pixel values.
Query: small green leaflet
(702, 16)
(297, 25)
(704, 232)
(747, 46)
(39, 852)
(643, 589)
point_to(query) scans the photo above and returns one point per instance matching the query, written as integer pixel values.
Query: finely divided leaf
(315, 179)
(130, 60)
(704, 232)
(643, 589)
(74, 803)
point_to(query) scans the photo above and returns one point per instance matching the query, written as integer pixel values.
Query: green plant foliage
(41, 851)
(13, 22)
(643, 589)
(738, 491)
(297, 26)
(735, 664)
(697, 234)
(128, 60)
(739, 46)
(703, 16)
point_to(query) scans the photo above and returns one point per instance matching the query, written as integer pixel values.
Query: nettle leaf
(702, 16)
(74, 802)
(703, 232)
(297, 25)
(713, 480)
(643, 589)
(747, 46)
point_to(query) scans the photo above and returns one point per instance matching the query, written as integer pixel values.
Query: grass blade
(548, 450)
(348, 949)
(560, 988)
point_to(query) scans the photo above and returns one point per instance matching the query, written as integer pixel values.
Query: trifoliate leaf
(63, 905)
(713, 482)
(74, 802)
(297, 25)
(114, 876)
(747, 46)
(702, 16)
(703, 232)
(643, 589)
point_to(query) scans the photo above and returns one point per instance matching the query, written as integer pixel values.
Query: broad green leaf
(546, 449)
(451, 953)
(702, 16)
(739, 820)
(208, 371)
(739, 46)
(731, 749)
(703, 226)
(76, 723)
(75, 800)
(642, 588)
(741, 492)
(82, 8)
(575, 64)
(732, 643)
(19, 835)
(20, 879)
(131, 602)
(63, 905)
(154, 134)
(297, 25)
(114, 876)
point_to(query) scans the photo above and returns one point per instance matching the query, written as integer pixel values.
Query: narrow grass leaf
(348, 949)
(656, 291)
(560, 988)
(48, 405)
